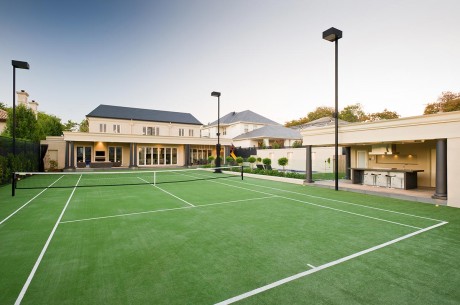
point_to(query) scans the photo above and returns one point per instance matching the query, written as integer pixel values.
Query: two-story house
(134, 137)
(249, 129)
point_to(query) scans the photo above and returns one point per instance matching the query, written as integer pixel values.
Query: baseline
(324, 266)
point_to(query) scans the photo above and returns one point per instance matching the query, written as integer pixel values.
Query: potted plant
(211, 159)
(252, 160)
(267, 163)
(283, 162)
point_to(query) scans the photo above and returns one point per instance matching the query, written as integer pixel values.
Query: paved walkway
(420, 194)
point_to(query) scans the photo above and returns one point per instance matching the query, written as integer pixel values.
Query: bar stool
(389, 180)
(374, 179)
(364, 177)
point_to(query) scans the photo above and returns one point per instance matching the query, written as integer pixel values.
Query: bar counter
(386, 177)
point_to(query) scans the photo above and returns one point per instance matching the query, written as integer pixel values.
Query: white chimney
(34, 106)
(22, 98)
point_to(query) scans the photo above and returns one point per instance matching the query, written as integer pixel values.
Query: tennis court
(200, 237)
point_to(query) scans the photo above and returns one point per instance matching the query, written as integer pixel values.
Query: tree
(252, 160)
(210, 159)
(353, 113)
(447, 102)
(300, 121)
(320, 112)
(384, 115)
(229, 160)
(3, 106)
(48, 125)
(26, 124)
(283, 162)
(267, 162)
(84, 126)
(70, 125)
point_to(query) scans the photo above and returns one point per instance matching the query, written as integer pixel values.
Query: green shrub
(267, 161)
(229, 160)
(297, 144)
(239, 160)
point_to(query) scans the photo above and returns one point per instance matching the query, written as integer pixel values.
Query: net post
(13, 184)
(241, 172)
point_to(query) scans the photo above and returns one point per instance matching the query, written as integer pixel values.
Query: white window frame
(116, 128)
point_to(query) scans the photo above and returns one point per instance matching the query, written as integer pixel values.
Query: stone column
(72, 155)
(131, 158)
(347, 152)
(441, 169)
(187, 154)
(308, 168)
(66, 159)
(135, 155)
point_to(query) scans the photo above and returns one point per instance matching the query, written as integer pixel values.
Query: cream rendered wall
(55, 144)
(245, 143)
(297, 158)
(2, 126)
(453, 172)
(137, 127)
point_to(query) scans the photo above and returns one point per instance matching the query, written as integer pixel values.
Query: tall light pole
(334, 35)
(19, 65)
(217, 94)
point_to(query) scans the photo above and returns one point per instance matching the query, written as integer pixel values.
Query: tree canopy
(447, 102)
(26, 124)
(33, 127)
(351, 113)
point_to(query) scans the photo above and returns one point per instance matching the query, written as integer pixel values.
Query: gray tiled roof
(324, 121)
(128, 113)
(273, 132)
(246, 116)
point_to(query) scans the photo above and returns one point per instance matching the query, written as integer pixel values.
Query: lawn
(248, 241)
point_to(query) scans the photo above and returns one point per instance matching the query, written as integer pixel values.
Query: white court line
(324, 266)
(311, 266)
(192, 205)
(323, 206)
(9, 216)
(341, 201)
(167, 210)
(45, 247)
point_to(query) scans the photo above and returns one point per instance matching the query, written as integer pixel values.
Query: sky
(262, 55)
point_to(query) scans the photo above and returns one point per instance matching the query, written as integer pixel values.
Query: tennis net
(40, 180)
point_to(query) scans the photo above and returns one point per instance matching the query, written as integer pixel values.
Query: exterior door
(361, 161)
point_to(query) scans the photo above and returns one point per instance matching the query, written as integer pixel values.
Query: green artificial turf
(207, 241)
